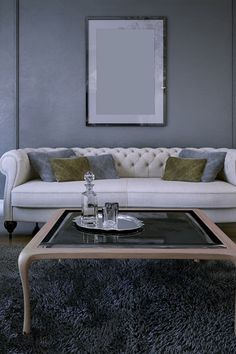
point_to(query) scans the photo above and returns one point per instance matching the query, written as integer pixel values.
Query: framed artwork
(126, 71)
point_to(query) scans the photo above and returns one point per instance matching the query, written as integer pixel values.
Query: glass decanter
(89, 202)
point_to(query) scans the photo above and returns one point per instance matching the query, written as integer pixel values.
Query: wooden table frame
(32, 252)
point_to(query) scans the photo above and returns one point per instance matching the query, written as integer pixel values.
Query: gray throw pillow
(215, 162)
(40, 161)
(103, 166)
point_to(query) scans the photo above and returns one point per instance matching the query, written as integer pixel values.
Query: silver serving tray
(125, 223)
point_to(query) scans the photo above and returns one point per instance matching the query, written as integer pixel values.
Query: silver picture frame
(126, 71)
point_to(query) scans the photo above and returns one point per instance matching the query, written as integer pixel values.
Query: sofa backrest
(134, 162)
(130, 162)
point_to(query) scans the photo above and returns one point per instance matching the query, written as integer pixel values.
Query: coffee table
(167, 234)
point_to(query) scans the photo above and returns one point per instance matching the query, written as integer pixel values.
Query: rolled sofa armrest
(15, 165)
(230, 166)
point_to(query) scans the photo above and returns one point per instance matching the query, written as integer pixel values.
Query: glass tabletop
(161, 229)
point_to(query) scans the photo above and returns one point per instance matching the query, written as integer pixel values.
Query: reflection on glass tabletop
(172, 228)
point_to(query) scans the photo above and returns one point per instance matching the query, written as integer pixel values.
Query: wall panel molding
(234, 72)
(17, 33)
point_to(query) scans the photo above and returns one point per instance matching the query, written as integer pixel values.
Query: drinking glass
(110, 215)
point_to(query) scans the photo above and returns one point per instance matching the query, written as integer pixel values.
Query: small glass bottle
(89, 202)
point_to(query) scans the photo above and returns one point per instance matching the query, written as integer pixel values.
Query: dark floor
(21, 236)
(229, 229)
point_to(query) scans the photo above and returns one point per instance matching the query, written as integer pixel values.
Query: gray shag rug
(118, 307)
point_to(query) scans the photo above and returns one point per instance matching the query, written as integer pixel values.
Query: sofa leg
(10, 226)
(36, 229)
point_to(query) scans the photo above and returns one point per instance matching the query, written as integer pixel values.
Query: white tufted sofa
(30, 199)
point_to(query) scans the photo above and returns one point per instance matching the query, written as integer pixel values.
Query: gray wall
(7, 79)
(52, 74)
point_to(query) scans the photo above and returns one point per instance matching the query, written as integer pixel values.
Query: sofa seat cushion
(156, 192)
(143, 192)
(39, 194)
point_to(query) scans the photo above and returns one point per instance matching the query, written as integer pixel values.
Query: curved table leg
(24, 263)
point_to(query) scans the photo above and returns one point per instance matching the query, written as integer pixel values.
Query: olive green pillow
(70, 169)
(188, 170)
